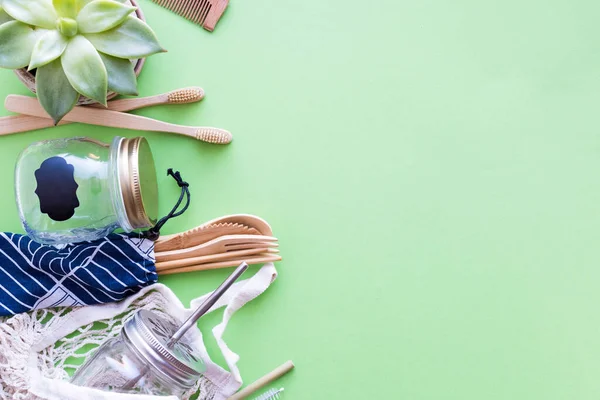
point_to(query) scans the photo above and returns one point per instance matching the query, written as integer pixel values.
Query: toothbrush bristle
(186, 95)
(214, 135)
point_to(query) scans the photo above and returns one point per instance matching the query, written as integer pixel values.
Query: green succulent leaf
(54, 91)
(16, 44)
(133, 39)
(67, 26)
(48, 48)
(102, 15)
(65, 8)
(83, 3)
(32, 12)
(85, 70)
(4, 17)
(121, 76)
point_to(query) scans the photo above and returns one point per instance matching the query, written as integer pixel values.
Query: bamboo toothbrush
(24, 123)
(115, 119)
(205, 13)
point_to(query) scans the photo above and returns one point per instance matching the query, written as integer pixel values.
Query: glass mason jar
(79, 189)
(138, 360)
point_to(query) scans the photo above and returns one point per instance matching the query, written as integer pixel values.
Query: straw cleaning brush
(272, 394)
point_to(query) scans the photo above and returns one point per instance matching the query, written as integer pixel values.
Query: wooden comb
(205, 13)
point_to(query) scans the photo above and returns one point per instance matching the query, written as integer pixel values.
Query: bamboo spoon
(210, 258)
(223, 264)
(218, 245)
(93, 116)
(24, 123)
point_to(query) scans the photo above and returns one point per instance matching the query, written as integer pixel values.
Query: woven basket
(29, 79)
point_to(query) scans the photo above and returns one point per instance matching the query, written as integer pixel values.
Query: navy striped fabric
(34, 276)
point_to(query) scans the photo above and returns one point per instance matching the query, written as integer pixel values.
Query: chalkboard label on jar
(57, 189)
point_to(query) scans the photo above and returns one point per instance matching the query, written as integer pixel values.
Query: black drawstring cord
(154, 232)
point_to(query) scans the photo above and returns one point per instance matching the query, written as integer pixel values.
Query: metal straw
(203, 309)
(191, 321)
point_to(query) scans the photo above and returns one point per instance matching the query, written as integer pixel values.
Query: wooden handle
(179, 96)
(264, 381)
(189, 240)
(94, 116)
(114, 119)
(222, 264)
(208, 258)
(24, 123)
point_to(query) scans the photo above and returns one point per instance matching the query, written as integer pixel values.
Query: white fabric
(38, 348)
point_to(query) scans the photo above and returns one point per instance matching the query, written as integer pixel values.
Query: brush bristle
(272, 394)
(183, 96)
(214, 135)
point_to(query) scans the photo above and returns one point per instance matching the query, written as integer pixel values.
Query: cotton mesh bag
(40, 347)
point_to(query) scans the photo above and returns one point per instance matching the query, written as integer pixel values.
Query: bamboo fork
(210, 258)
(93, 116)
(223, 264)
(23, 123)
(218, 245)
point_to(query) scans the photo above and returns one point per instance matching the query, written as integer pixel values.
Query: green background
(431, 170)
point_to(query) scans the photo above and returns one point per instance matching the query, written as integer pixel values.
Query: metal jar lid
(137, 181)
(149, 332)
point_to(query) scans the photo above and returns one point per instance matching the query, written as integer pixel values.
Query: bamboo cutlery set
(220, 243)
(32, 116)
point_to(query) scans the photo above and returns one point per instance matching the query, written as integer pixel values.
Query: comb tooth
(194, 10)
(205, 13)
(198, 11)
(179, 4)
(185, 9)
(169, 4)
(182, 7)
(200, 16)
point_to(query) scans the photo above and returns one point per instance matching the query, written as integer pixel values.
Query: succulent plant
(4, 17)
(76, 47)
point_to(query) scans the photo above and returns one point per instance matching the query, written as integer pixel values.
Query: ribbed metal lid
(149, 332)
(137, 179)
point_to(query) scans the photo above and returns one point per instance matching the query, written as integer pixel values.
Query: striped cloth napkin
(34, 276)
